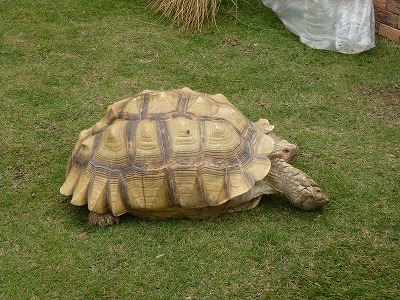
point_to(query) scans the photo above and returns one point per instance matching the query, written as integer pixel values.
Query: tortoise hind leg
(106, 219)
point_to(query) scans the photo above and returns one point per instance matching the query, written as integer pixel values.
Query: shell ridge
(81, 139)
(144, 104)
(226, 184)
(249, 178)
(213, 183)
(171, 192)
(90, 186)
(124, 192)
(96, 143)
(164, 144)
(143, 189)
(79, 196)
(182, 103)
(200, 188)
(131, 136)
(114, 195)
(69, 185)
(107, 193)
(122, 107)
(202, 138)
(163, 141)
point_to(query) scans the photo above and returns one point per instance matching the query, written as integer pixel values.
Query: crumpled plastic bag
(346, 26)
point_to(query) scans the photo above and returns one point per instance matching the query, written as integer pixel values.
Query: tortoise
(181, 154)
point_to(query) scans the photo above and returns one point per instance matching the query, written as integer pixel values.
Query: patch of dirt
(231, 42)
(389, 109)
(234, 42)
(16, 173)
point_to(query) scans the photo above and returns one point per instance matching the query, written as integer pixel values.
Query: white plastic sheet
(346, 26)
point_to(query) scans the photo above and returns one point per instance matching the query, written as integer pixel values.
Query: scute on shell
(164, 149)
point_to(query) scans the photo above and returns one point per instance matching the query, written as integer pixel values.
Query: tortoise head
(283, 150)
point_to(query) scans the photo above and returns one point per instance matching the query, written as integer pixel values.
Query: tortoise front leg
(106, 219)
(296, 185)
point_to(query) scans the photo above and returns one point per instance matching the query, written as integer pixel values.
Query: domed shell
(161, 150)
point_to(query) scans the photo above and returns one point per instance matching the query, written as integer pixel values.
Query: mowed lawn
(63, 62)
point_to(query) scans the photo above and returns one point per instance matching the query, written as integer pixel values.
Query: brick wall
(387, 18)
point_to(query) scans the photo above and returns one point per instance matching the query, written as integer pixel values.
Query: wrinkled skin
(295, 185)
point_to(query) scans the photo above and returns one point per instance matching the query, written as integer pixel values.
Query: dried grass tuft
(188, 14)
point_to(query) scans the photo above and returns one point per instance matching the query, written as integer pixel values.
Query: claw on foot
(309, 198)
(106, 219)
(296, 185)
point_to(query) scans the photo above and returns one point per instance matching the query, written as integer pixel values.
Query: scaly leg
(296, 185)
(106, 219)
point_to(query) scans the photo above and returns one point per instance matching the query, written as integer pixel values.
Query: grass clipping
(188, 14)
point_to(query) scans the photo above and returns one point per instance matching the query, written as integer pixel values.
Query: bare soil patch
(389, 106)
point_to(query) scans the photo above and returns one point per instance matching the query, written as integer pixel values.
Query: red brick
(386, 17)
(393, 6)
(389, 32)
(377, 24)
(380, 4)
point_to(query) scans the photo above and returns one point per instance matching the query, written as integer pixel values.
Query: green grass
(63, 62)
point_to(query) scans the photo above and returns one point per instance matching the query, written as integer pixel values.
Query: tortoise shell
(161, 150)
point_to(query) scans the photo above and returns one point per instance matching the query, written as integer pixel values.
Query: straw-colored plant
(188, 14)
